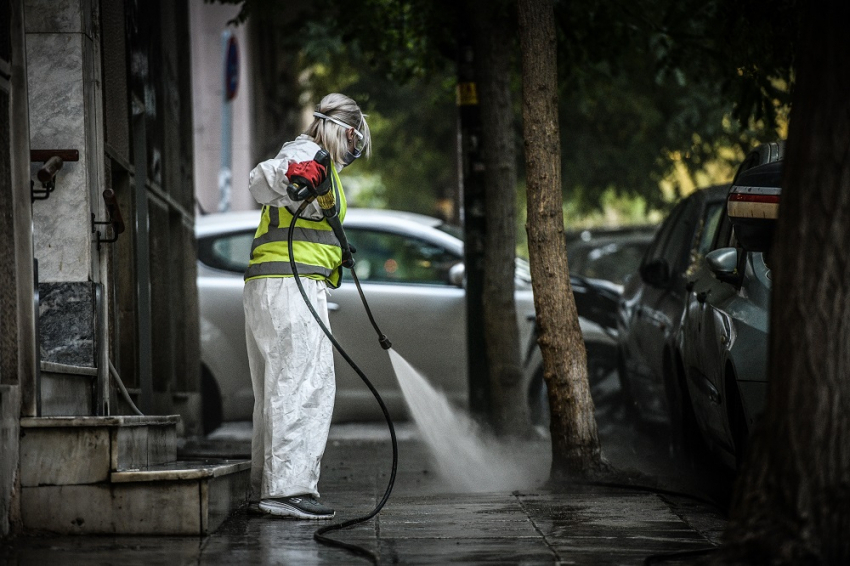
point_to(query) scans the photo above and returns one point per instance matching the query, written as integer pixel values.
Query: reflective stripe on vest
(315, 245)
(298, 235)
(284, 268)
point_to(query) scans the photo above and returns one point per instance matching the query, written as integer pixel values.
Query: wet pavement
(424, 523)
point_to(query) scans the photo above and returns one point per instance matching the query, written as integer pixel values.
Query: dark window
(5, 31)
(612, 261)
(725, 236)
(657, 249)
(711, 223)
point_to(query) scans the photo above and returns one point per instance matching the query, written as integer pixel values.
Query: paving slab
(423, 522)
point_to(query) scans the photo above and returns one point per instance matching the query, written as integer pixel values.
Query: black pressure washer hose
(318, 536)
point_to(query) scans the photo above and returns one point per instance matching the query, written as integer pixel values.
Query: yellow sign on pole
(467, 94)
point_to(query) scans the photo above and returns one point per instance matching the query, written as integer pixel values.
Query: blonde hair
(331, 135)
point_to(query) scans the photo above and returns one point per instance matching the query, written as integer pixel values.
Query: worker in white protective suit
(291, 359)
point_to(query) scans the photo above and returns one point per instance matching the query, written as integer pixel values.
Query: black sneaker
(298, 506)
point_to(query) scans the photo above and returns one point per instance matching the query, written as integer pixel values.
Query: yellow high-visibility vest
(317, 251)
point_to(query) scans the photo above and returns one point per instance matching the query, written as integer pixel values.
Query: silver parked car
(410, 267)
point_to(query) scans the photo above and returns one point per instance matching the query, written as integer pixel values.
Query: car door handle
(702, 296)
(333, 306)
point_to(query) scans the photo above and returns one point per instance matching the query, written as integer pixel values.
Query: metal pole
(474, 226)
(141, 237)
(224, 172)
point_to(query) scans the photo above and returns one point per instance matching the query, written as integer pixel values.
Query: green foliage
(652, 92)
(653, 86)
(412, 124)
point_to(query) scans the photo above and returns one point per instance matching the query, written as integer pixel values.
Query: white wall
(207, 22)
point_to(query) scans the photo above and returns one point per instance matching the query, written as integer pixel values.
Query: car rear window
(451, 230)
(229, 252)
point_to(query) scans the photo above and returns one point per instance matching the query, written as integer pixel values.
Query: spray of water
(467, 457)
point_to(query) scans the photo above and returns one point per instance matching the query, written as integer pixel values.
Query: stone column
(65, 109)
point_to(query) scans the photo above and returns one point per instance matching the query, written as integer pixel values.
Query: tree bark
(792, 501)
(575, 445)
(493, 30)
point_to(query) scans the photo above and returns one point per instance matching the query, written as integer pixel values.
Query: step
(175, 498)
(67, 389)
(85, 449)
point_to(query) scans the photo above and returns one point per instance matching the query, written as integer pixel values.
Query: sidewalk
(421, 523)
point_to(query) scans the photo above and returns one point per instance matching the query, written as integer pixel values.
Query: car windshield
(611, 261)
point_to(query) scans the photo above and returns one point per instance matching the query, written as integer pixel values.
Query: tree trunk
(575, 445)
(792, 501)
(493, 29)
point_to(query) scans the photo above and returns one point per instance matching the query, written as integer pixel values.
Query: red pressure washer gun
(310, 180)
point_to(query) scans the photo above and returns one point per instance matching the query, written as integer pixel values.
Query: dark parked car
(599, 263)
(724, 331)
(651, 305)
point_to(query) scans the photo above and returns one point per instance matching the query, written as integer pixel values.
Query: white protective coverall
(290, 358)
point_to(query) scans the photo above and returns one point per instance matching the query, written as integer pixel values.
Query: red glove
(313, 172)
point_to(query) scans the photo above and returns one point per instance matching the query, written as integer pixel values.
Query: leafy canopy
(653, 93)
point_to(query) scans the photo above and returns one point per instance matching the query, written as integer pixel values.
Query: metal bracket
(53, 160)
(114, 219)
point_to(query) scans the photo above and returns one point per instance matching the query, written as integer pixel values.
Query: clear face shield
(359, 140)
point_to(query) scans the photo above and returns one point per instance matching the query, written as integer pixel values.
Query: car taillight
(753, 205)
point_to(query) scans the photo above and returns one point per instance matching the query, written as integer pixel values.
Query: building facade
(98, 250)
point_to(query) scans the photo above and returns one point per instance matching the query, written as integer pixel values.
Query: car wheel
(601, 363)
(737, 420)
(211, 410)
(684, 430)
(626, 395)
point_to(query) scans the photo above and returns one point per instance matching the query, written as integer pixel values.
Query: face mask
(349, 157)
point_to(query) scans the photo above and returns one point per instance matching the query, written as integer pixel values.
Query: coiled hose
(319, 535)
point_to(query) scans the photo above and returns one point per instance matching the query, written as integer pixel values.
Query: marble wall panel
(136, 447)
(66, 319)
(54, 16)
(158, 507)
(64, 456)
(62, 223)
(162, 444)
(85, 509)
(130, 447)
(224, 494)
(10, 408)
(65, 395)
(143, 508)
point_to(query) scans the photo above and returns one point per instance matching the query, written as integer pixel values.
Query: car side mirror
(723, 263)
(656, 272)
(457, 274)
